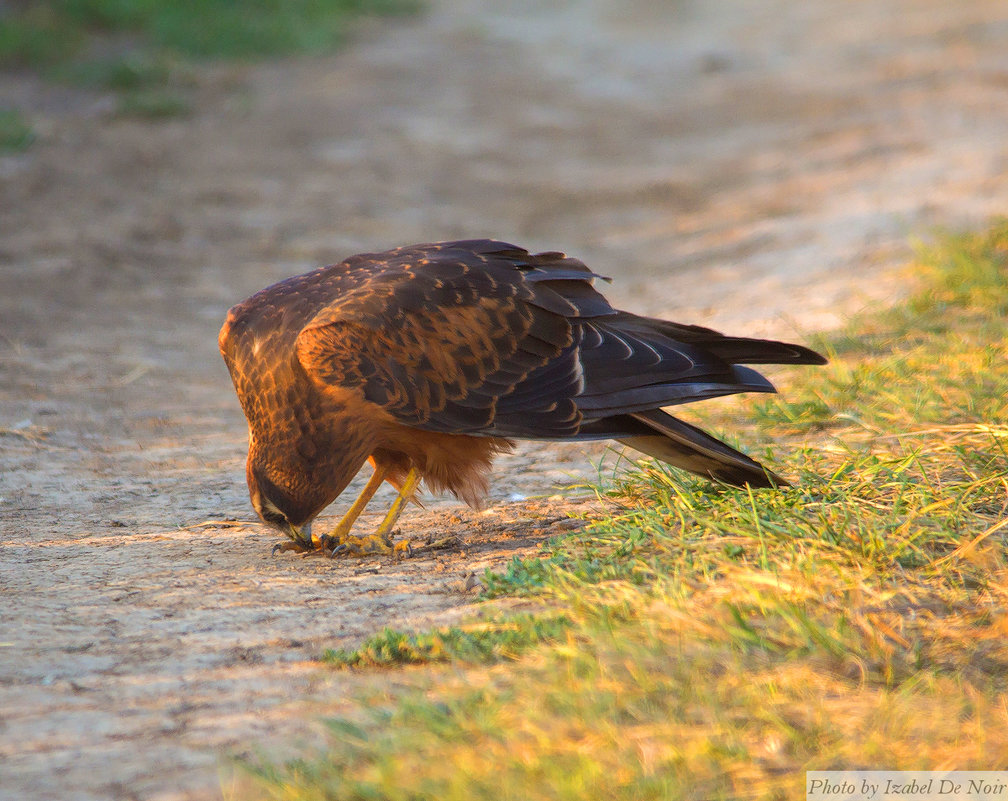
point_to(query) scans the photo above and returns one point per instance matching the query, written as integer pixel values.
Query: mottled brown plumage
(435, 356)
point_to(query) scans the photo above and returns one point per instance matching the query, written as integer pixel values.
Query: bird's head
(276, 506)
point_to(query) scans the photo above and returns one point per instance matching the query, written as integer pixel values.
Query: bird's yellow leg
(384, 531)
(339, 534)
(381, 540)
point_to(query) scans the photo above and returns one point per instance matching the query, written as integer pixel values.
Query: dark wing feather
(735, 350)
(630, 367)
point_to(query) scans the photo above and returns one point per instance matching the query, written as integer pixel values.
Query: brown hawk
(428, 360)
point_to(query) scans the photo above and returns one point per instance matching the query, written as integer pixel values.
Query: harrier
(429, 360)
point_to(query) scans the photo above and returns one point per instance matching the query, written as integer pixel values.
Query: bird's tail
(682, 445)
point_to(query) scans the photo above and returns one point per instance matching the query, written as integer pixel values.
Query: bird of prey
(428, 360)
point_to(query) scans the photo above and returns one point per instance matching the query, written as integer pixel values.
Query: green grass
(16, 133)
(48, 32)
(477, 642)
(154, 104)
(139, 47)
(717, 643)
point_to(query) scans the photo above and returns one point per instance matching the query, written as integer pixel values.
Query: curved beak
(301, 536)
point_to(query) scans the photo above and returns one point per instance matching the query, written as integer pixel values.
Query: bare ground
(748, 164)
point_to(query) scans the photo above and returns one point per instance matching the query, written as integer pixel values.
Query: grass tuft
(153, 104)
(482, 642)
(16, 134)
(36, 35)
(44, 33)
(134, 46)
(130, 72)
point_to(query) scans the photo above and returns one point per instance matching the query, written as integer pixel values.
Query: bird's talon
(328, 543)
(372, 545)
(289, 545)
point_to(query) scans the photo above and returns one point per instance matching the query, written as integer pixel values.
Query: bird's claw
(351, 545)
(290, 545)
(298, 541)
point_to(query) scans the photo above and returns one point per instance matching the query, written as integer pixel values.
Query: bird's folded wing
(438, 344)
(484, 338)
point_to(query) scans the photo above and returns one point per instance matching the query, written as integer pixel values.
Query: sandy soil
(756, 165)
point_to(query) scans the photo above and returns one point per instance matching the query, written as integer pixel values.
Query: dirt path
(750, 164)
